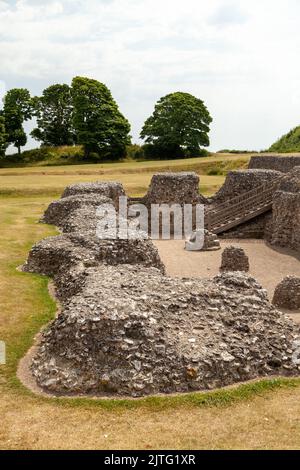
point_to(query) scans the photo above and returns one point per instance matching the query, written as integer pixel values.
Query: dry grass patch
(267, 422)
(53, 185)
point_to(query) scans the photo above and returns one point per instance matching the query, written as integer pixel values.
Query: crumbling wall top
(109, 189)
(274, 162)
(241, 181)
(170, 188)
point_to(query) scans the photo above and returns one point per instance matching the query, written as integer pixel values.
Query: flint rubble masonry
(274, 162)
(234, 259)
(125, 328)
(287, 293)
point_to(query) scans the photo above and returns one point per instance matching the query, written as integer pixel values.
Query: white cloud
(240, 57)
(2, 91)
(228, 14)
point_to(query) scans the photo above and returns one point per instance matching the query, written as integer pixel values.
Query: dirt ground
(267, 264)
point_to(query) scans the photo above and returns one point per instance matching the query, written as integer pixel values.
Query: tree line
(86, 114)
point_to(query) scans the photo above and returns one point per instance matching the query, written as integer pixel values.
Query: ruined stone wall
(174, 188)
(178, 188)
(278, 163)
(287, 293)
(125, 328)
(112, 190)
(285, 225)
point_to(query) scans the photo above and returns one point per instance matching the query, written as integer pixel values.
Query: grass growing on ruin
(262, 414)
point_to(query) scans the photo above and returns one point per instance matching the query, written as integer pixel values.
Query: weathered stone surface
(286, 220)
(208, 241)
(284, 228)
(291, 182)
(174, 189)
(82, 219)
(241, 181)
(54, 256)
(178, 188)
(287, 293)
(234, 259)
(132, 331)
(59, 211)
(110, 189)
(274, 162)
(82, 196)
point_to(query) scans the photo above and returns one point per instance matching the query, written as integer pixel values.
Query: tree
(178, 127)
(3, 137)
(98, 123)
(54, 112)
(17, 109)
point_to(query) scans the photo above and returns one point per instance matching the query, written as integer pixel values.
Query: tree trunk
(86, 152)
(19, 150)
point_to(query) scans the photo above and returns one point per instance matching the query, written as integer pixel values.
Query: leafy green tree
(178, 127)
(98, 123)
(17, 109)
(3, 137)
(54, 113)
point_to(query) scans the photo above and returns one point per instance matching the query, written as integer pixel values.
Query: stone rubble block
(110, 189)
(59, 211)
(133, 332)
(287, 293)
(170, 188)
(284, 228)
(234, 259)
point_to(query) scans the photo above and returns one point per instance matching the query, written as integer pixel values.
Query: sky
(241, 57)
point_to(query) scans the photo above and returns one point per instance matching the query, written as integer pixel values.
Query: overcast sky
(242, 57)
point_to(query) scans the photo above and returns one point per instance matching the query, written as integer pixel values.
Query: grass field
(135, 176)
(262, 415)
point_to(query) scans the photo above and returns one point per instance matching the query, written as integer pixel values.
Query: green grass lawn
(135, 176)
(222, 419)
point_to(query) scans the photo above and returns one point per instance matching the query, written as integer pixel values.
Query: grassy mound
(288, 143)
(45, 156)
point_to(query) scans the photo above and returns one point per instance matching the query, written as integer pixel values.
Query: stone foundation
(287, 293)
(234, 259)
(131, 331)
